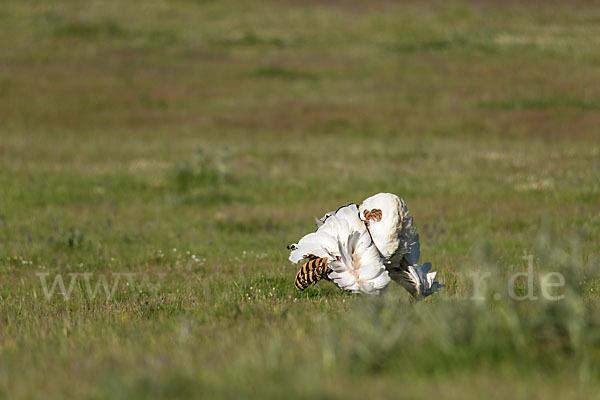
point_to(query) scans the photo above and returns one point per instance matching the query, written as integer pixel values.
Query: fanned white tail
(344, 240)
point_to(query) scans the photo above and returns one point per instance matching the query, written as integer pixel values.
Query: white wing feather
(385, 231)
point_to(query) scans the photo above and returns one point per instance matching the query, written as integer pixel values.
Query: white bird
(343, 244)
(360, 248)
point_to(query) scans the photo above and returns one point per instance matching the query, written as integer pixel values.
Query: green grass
(189, 142)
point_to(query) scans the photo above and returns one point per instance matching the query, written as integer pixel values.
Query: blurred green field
(191, 141)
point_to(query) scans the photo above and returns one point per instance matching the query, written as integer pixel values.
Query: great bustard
(359, 248)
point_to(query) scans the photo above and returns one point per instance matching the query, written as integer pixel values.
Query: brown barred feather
(312, 271)
(374, 214)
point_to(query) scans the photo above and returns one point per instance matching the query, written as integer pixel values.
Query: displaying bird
(360, 248)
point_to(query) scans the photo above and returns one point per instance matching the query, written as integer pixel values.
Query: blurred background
(199, 137)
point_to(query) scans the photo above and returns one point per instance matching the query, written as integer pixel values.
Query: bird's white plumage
(321, 221)
(367, 245)
(385, 230)
(395, 236)
(394, 233)
(346, 243)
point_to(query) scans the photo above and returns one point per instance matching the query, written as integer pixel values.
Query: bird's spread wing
(393, 232)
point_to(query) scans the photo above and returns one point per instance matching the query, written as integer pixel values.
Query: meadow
(172, 149)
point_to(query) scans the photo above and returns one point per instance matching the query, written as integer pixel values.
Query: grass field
(174, 148)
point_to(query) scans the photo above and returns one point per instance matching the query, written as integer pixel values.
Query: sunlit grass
(189, 142)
